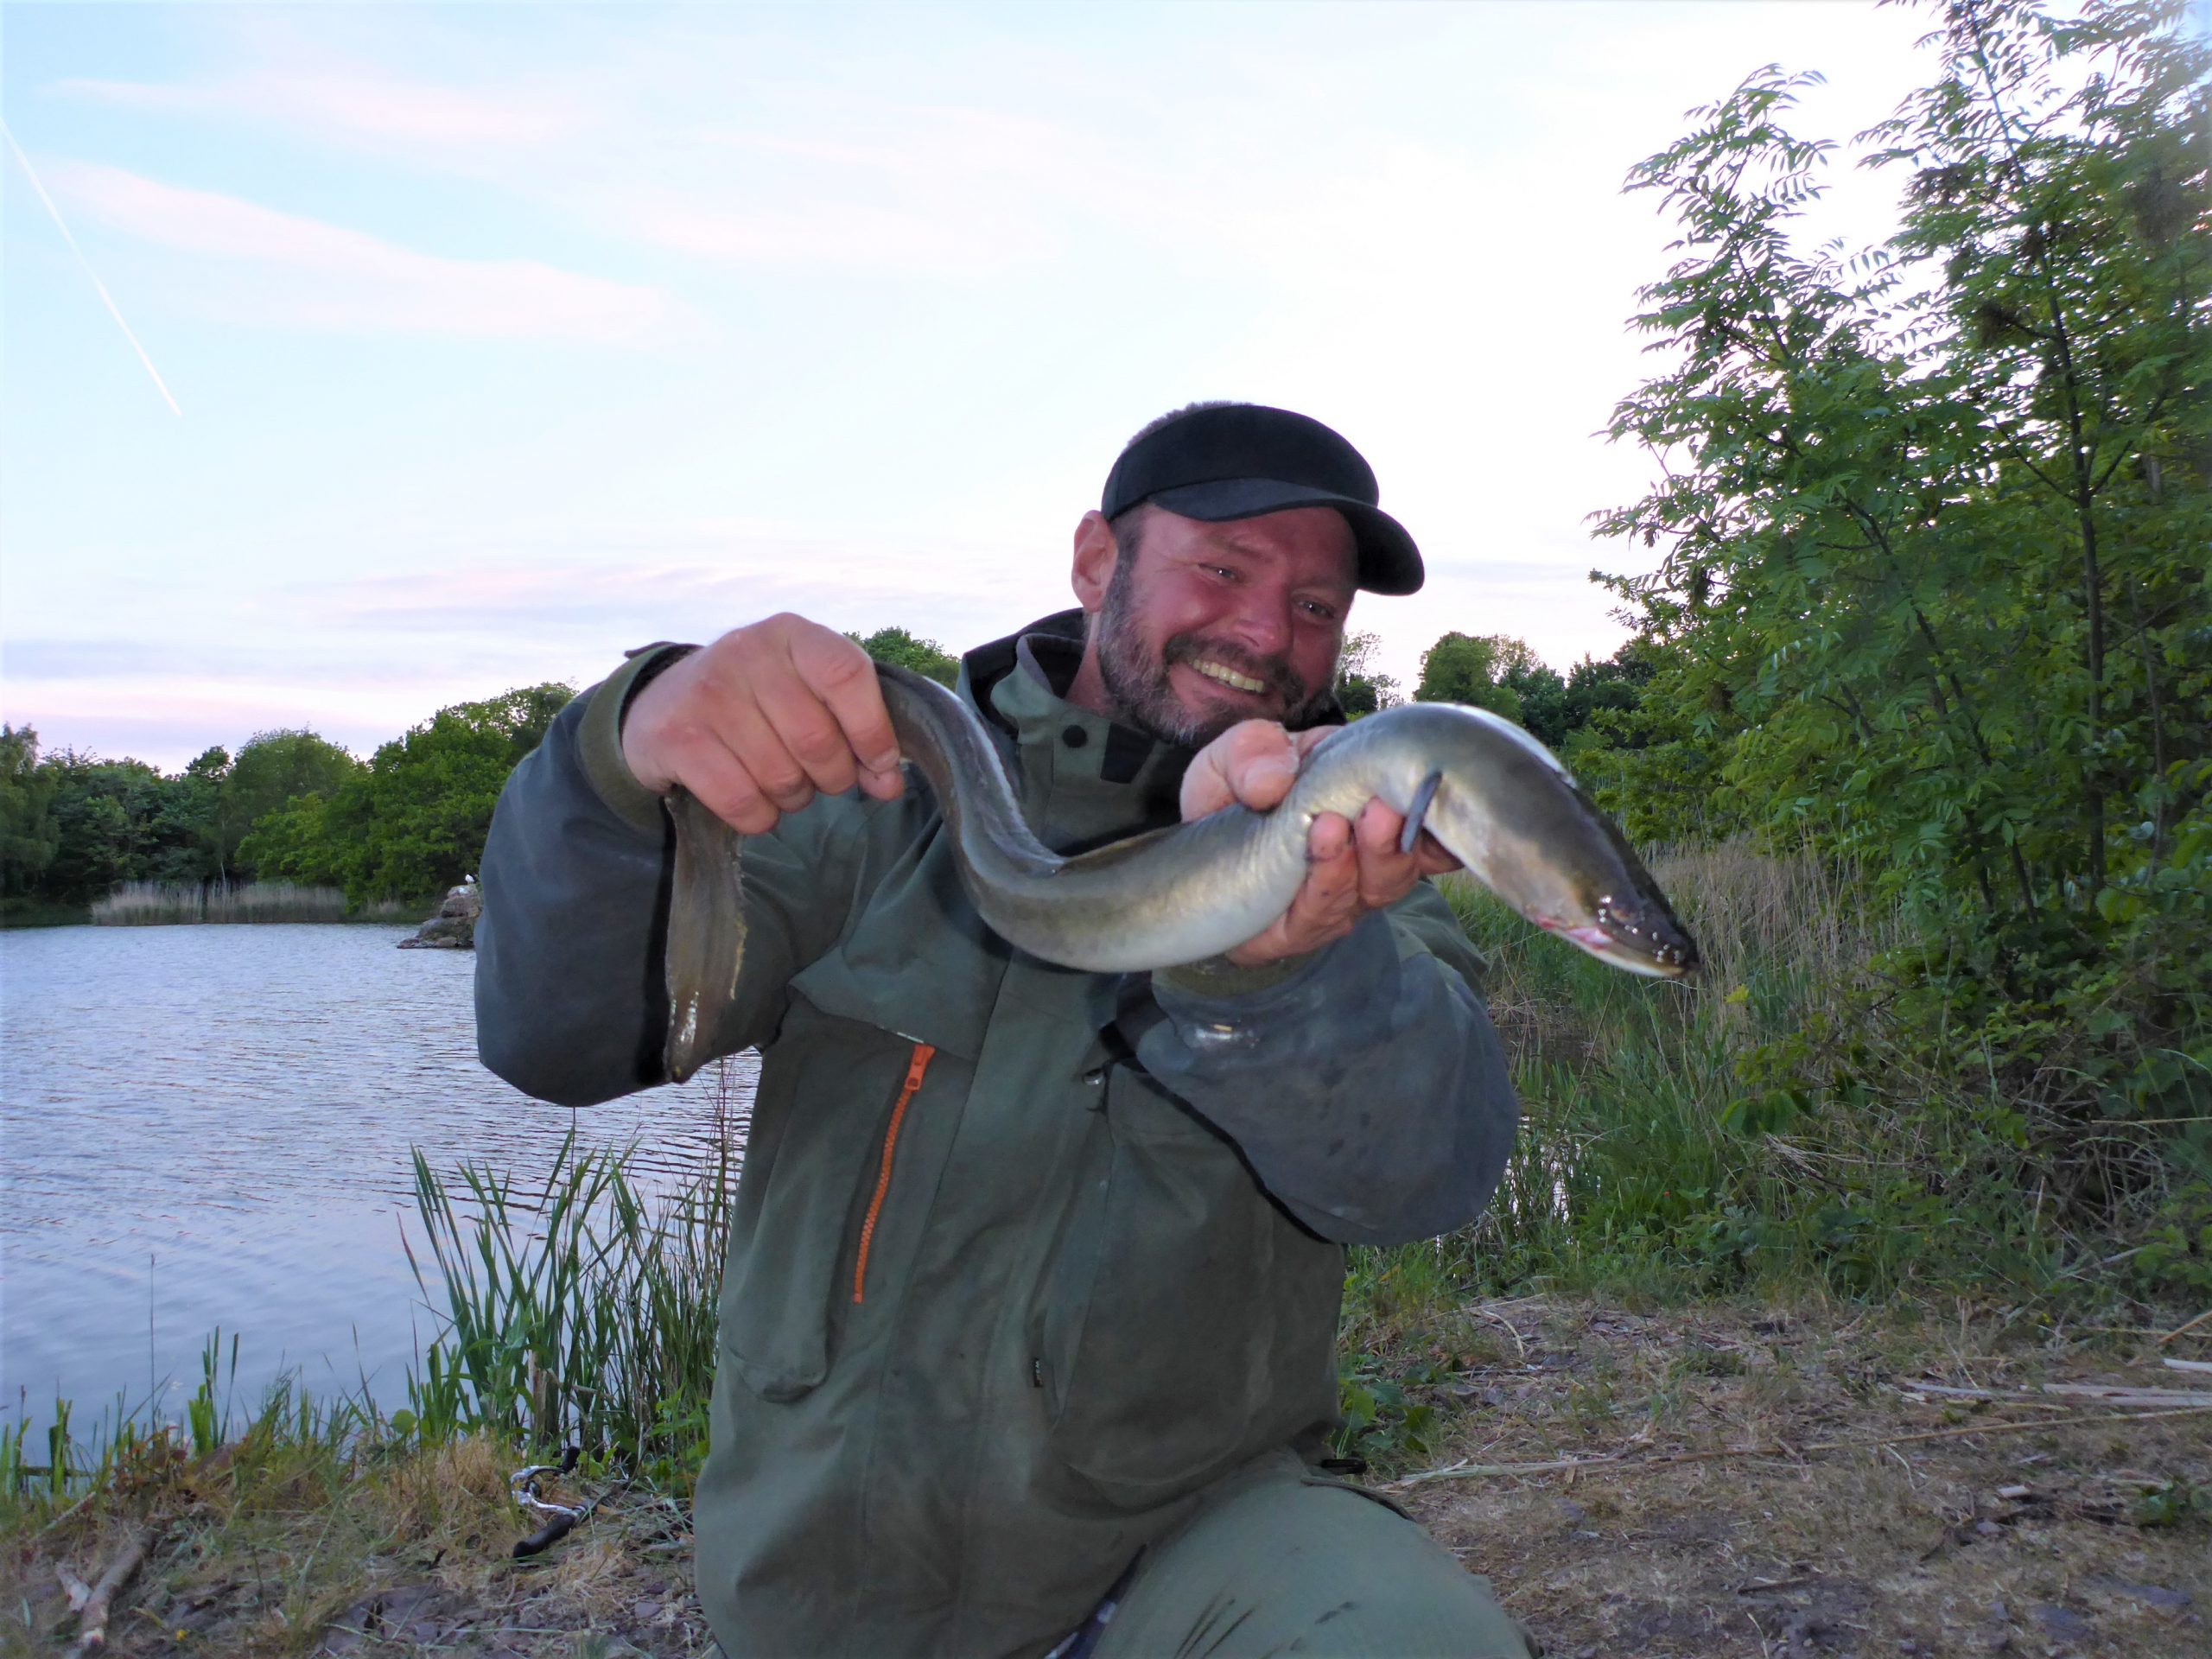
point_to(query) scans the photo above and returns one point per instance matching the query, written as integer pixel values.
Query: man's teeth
(1229, 676)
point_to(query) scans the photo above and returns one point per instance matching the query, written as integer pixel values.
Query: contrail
(24, 161)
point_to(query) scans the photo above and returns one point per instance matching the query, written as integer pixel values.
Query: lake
(205, 1127)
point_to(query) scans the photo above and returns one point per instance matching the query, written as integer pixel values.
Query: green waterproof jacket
(1024, 1259)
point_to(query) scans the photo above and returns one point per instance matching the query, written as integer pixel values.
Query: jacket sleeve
(571, 1005)
(1366, 1087)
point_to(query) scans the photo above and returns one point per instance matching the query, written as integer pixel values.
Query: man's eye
(1319, 611)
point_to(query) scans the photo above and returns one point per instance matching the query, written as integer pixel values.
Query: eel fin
(1418, 811)
(706, 932)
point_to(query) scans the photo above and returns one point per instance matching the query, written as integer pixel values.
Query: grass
(1770, 1123)
(153, 903)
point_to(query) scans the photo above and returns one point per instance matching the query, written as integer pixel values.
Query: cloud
(358, 104)
(327, 276)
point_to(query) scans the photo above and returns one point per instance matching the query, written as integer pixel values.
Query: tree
(1931, 595)
(273, 770)
(1473, 669)
(908, 650)
(1362, 688)
(1899, 519)
(413, 822)
(28, 835)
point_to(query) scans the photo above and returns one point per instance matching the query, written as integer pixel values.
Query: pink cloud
(360, 105)
(351, 280)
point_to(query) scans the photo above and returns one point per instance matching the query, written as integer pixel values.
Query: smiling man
(1028, 1322)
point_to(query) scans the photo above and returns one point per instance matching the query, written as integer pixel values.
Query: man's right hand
(758, 723)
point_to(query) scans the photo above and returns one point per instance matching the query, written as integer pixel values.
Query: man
(1028, 1326)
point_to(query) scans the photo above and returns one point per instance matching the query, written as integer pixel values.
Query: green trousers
(1285, 1561)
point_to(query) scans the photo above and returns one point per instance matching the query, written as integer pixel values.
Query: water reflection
(211, 1126)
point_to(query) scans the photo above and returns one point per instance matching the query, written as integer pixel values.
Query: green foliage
(1362, 688)
(273, 770)
(88, 823)
(1385, 1423)
(1505, 676)
(1931, 596)
(2173, 1503)
(29, 837)
(413, 822)
(908, 651)
(1472, 669)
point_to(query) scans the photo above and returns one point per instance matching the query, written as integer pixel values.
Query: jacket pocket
(819, 1166)
(1186, 1324)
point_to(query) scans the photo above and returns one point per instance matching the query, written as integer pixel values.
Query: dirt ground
(2076, 1534)
(1713, 1482)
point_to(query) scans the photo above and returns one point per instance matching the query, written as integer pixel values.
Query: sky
(408, 354)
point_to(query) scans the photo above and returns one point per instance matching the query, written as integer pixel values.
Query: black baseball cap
(1218, 461)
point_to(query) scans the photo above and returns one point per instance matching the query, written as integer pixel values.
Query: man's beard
(1145, 699)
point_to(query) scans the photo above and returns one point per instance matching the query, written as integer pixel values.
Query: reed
(152, 904)
(580, 1311)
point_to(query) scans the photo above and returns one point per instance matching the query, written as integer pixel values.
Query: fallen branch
(2110, 1394)
(92, 1629)
(1625, 1461)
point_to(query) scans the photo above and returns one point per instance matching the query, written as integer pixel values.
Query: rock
(2064, 1623)
(453, 928)
(2151, 1595)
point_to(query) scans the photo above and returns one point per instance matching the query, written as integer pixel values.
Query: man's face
(1204, 624)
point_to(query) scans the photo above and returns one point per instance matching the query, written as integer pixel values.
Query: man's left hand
(1352, 866)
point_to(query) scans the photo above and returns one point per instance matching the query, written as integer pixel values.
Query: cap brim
(1389, 561)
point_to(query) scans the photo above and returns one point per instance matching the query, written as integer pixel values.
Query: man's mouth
(1229, 676)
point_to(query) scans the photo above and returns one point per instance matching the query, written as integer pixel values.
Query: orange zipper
(915, 1068)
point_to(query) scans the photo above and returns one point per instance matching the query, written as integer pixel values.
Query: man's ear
(1095, 556)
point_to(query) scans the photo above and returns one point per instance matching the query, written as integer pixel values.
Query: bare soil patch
(1772, 1495)
(1742, 1481)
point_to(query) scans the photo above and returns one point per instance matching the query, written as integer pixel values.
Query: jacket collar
(1083, 778)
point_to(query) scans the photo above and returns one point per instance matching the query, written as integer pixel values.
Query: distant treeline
(405, 824)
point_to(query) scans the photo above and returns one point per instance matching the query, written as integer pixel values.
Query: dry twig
(2108, 1393)
(1615, 1461)
(2179, 1329)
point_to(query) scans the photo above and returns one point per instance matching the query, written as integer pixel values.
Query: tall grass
(148, 904)
(132, 1445)
(1689, 1139)
(579, 1310)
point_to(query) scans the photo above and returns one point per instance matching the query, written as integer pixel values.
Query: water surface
(205, 1127)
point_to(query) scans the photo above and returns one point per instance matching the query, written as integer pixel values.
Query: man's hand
(763, 720)
(1352, 866)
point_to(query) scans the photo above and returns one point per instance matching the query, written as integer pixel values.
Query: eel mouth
(1652, 946)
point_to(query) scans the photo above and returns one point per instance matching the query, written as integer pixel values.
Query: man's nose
(1262, 623)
